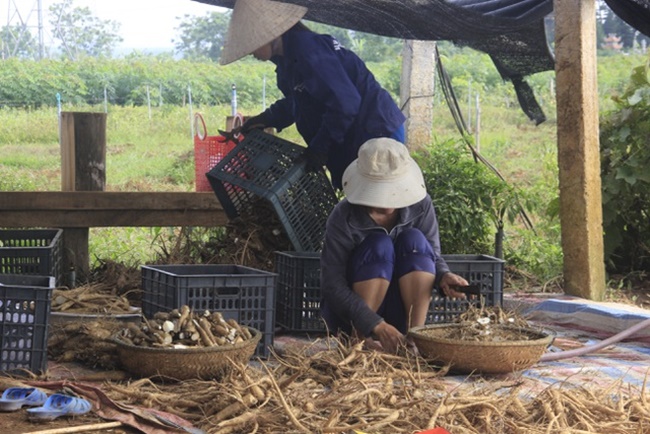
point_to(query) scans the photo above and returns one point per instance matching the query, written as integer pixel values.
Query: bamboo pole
(80, 428)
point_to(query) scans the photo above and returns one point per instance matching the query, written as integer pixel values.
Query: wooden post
(578, 148)
(416, 92)
(83, 168)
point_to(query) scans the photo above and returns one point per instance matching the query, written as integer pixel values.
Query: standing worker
(381, 257)
(329, 93)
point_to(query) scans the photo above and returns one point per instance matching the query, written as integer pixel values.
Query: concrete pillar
(416, 92)
(578, 148)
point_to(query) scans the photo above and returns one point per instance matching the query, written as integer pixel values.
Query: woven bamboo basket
(489, 357)
(185, 363)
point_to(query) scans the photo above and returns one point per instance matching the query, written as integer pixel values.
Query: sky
(144, 24)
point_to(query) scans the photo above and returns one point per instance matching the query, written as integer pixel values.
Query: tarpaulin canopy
(511, 31)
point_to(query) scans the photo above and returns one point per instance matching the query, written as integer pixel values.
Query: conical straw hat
(255, 23)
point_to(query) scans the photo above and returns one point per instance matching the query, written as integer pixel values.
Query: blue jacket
(347, 227)
(332, 97)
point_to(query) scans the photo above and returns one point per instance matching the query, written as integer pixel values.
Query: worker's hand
(258, 122)
(449, 281)
(315, 160)
(391, 339)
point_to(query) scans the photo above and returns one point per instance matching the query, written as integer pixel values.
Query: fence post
(189, 97)
(149, 102)
(83, 168)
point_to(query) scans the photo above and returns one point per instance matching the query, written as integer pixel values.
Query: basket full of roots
(184, 344)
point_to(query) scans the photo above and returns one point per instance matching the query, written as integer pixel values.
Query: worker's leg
(370, 273)
(370, 270)
(373, 278)
(415, 270)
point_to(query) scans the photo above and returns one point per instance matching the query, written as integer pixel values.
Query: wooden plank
(67, 140)
(83, 151)
(83, 168)
(110, 209)
(578, 149)
(106, 200)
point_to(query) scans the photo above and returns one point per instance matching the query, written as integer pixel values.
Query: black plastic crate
(263, 166)
(32, 251)
(483, 270)
(27, 280)
(298, 294)
(24, 316)
(242, 293)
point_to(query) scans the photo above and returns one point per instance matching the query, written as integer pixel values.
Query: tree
(202, 37)
(610, 24)
(341, 35)
(375, 48)
(82, 34)
(371, 48)
(17, 41)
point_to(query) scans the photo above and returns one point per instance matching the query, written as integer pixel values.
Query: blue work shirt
(332, 97)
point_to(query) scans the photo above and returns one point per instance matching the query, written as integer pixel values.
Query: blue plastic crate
(32, 251)
(241, 293)
(263, 166)
(24, 315)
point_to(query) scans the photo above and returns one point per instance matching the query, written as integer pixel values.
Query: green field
(151, 149)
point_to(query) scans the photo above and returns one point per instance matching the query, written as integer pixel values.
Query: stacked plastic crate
(30, 266)
(261, 167)
(24, 316)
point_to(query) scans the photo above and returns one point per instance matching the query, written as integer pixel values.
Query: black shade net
(510, 31)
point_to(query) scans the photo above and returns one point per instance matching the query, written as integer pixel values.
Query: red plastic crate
(208, 151)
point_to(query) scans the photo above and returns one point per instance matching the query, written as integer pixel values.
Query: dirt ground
(17, 423)
(633, 290)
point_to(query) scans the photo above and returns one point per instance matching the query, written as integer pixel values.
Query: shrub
(625, 156)
(471, 201)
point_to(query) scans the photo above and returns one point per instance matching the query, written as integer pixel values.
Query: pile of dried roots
(87, 342)
(93, 298)
(342, 388)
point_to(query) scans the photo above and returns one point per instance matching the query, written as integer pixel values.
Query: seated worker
(381, 255)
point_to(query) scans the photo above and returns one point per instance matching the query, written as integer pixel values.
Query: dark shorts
(378, 257)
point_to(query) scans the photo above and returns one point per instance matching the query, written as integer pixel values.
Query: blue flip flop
(59, 405)
(14, 398)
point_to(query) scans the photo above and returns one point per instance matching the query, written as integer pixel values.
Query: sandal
(59, 405)
(15, 398)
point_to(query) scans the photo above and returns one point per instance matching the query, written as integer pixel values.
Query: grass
(144, 152)
(153, 151)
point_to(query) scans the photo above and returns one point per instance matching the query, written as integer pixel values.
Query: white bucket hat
(255, 23)
(384, 176)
